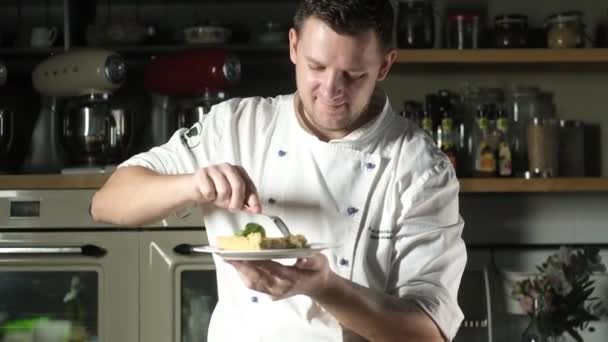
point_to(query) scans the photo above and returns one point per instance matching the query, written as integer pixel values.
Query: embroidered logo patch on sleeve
(193, 135)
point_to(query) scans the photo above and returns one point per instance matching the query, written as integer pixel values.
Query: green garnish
(252, 228)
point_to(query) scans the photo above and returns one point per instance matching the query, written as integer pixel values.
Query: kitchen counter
(55, 181)
(467, 185)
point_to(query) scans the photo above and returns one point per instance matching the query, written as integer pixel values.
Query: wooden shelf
(467, 185)
(520, 185)
(503, 56)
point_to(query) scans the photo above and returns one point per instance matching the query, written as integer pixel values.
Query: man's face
(336, 76)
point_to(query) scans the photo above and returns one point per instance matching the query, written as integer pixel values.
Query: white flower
(563, 255)
(557, 280)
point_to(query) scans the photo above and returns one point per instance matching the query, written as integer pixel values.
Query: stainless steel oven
(178, 288)
(63, 274)
(63, 277)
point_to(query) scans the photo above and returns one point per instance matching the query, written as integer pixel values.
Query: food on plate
(253, 238)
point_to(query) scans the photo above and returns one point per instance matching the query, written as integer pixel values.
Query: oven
(63, 277)
(178, 286)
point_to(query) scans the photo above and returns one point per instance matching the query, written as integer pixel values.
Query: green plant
(563, 287)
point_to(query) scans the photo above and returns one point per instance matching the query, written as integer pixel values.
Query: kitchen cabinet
(504, 56)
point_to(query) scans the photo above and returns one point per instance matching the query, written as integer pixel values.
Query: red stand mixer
(184, 85)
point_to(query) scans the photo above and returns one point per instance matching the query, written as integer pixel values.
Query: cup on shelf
(41, 36)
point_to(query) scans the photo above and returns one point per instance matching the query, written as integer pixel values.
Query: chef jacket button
(282, 153)
(343, 262)
(254, 299)
(272, 200)
(370, 166)
(352, 211)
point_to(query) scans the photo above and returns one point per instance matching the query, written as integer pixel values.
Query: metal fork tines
(281, 225)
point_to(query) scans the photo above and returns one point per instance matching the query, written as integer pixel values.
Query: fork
(280, 224)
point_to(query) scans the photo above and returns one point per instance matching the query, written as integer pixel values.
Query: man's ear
(293, 44)
(387, 63)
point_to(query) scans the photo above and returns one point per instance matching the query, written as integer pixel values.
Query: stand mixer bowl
(86, 131)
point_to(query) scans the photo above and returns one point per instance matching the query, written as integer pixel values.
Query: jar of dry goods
(565, 30)
(510, 31)
(542, 139)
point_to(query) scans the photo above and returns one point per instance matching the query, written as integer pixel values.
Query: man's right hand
(226, 186)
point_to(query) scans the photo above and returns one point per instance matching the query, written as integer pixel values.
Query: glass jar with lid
(463, 31)
(511, 31)
(543, 147)
(415, 24)
(565, 30)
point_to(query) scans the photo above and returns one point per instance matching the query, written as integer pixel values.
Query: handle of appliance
(85, 250)
(112, 133)
(65, 130)
(131, 119)
(10, 129)
(186, 249)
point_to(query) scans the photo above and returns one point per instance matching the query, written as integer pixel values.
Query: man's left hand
(308, 276)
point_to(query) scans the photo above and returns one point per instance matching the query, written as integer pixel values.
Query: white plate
(265, 254)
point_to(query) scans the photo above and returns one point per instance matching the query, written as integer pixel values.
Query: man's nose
(333, 86)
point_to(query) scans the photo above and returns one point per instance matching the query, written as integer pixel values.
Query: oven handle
(85, 250)
(186, 249)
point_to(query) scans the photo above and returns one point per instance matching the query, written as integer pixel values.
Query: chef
(340, 167)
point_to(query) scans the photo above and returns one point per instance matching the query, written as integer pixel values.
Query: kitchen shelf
(538, 185)
(503, 56)
(467, 185)
(7, 52)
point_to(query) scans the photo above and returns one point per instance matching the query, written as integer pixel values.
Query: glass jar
(463, 31)
(565, 30)
(415, 24)
(511, 31)
(522, 104)
(571, 148)
(542, 139)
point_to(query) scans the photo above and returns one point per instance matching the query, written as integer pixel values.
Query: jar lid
(511, 19)
(463, 17)
(565, 17)
(571, 123)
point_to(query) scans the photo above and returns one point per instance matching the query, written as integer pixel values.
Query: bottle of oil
(505, 157)
(427, 124)
(484, 149)
(446, 138)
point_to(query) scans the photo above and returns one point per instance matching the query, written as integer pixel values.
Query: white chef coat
(385, 193)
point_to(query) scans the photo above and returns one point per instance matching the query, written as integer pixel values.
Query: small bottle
(446, 138)
(484, 151)
(533, 333)
(505, 157)
(427, 124)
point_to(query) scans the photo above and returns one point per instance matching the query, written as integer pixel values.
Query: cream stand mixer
(77, 129)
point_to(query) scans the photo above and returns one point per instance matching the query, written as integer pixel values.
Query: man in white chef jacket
(339, 166)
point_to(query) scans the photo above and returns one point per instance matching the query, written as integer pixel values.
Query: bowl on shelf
(205, 34)
(272, 33)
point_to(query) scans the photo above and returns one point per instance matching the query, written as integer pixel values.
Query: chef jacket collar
(354, 139)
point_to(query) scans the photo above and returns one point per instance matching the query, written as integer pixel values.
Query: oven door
(178, 288)
(68, 285)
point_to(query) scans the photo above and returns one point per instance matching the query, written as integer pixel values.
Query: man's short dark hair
(350, 17)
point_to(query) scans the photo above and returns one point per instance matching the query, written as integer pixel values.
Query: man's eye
(316, 67)
(355, 76)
